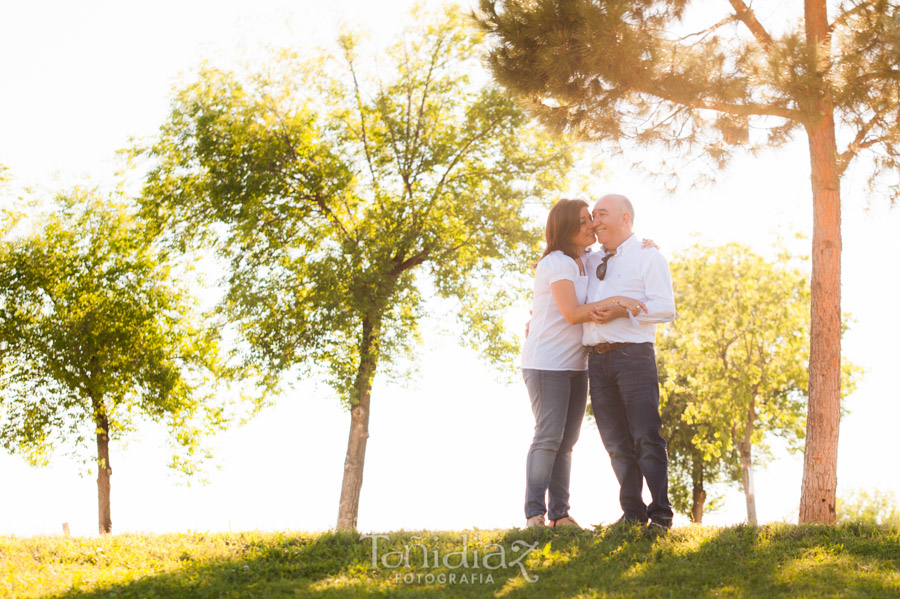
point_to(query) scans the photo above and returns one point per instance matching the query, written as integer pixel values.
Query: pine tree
(637, 74)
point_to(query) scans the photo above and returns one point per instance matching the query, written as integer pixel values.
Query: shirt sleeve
(659, 298)
(558, 267)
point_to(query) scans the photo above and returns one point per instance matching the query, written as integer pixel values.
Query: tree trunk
(103, 471)
(351, 486)
(745, 448)
(817, 497)
(699, 495)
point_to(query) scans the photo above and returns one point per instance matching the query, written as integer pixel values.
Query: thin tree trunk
(817, 499)
(104, 471)
(351, 486)
(744, 448)
(699, 494)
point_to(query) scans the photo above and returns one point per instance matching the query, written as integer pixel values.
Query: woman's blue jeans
(558, 400)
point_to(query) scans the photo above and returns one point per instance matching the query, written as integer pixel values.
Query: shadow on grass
(774, 560)
(778, 560)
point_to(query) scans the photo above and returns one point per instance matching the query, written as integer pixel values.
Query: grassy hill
(778, 560)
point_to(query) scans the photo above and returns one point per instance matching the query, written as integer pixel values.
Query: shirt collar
(626, 246)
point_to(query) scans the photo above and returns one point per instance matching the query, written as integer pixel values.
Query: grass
(778, 560)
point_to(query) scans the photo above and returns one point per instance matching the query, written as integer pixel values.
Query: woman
(554, 363)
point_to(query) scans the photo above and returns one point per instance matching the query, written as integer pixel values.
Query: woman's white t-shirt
(553, 343)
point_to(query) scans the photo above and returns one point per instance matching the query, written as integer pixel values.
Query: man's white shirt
(641, 274)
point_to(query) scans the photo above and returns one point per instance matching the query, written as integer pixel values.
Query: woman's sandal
(536, 521)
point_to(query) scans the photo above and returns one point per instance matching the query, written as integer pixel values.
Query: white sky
(79, 78)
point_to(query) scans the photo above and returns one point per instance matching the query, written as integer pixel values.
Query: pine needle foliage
(684, 81)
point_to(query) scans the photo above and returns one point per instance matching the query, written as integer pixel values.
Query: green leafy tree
(96, 336)
(691, 469)
(872, 507)
(736, 363)
(688, 81)
(341, 199)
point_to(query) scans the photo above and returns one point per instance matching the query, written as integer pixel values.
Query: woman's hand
(615, 307)
(648, 243)
(603, 313)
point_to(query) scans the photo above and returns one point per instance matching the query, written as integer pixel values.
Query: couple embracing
(594, 321)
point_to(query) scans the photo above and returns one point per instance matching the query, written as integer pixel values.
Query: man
(624, 385)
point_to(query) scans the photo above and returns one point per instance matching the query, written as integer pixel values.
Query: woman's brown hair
(563, 224)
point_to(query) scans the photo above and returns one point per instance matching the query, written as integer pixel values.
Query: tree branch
(462, 244)
(420, 117)
(404, 174)
(437, 188)
(860, 142)
(711, 28)
(735, 109)
(750, 109)
(411, 262)
(425, 89)
(407, 150)
(887, 75)
(748, 17)
(362, 123)
(316, 198)
(875, 140)
(842, 18)
(319, 201)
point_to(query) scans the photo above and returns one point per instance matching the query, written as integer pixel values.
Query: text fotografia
(416, 555)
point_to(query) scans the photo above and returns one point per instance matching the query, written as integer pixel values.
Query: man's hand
(632, 305)
(604, 314)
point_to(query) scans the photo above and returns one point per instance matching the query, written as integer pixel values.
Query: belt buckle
(606, 347)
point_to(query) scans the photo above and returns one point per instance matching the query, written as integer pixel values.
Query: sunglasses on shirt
(601, 268)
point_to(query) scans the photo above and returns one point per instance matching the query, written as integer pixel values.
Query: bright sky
(448, 452)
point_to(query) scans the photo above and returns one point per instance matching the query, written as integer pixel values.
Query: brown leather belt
(602, 348)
